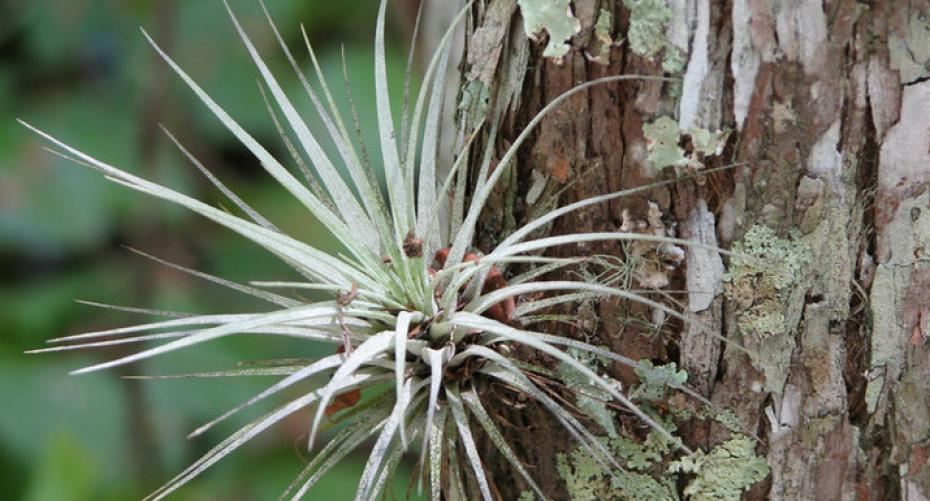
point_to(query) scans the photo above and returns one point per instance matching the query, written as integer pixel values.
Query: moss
(760, 279)
(723, 473)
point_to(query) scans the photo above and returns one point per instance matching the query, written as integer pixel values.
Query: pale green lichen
(647, 38)
(633, 455)
(474, 99)
(602, 26)
(708, 143)
(642, 477)
(648, 472)
(673, 62)
(725, 472)
(663, 137)
(586, 479)
(655, 380)
(553, 16)
(589, 398)
(603, 40)
(725, 417)
(646, 33)
(760, 279)
(816, 428)
(527, 496)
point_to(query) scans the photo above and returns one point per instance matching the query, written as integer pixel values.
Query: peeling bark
(831, 112)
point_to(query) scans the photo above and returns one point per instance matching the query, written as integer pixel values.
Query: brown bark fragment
(809, 88)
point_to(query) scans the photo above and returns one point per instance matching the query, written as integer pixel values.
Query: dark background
(81, 70)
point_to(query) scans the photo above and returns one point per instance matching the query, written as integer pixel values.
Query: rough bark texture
(829, 107)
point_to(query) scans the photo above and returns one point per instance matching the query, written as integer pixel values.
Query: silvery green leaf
(390, 464)
(465, 234)
(471, 450)
(312, 181)
(485, 301)
(426, 193)
(297, 332)
(382, 446)
(526, 307)
(436, 440)
(255, 321)
(507, 371)
(434, 79)
(110, 342)
(252, 291)
(436, 360)
(332, 222)
(324, 364)
(405, 130)
(284, 370)
(344, 442)
(371, 196)
(308, 260)
(134, 309)
(163, 324)
(242, 436)
(252, 213)
(585, 438)
(456, 484)
(542, 270)
(473, 401)
(364, 353)
(342, 196)
(547, 218)
(491, 326)
(401, 206)
(401, 331)
(574, 238)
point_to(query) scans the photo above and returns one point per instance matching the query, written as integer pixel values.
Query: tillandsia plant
(420, 321)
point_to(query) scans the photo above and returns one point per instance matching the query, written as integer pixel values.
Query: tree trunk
(828, 105)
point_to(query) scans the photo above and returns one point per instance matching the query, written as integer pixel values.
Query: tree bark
(828, 104)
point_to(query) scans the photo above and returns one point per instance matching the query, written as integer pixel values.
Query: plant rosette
(419, 321)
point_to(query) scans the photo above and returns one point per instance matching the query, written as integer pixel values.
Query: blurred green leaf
(67, 471)
(81, 69)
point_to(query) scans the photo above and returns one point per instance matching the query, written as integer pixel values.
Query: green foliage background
(81, 70)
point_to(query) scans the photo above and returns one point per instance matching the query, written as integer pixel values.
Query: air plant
(420, 322)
